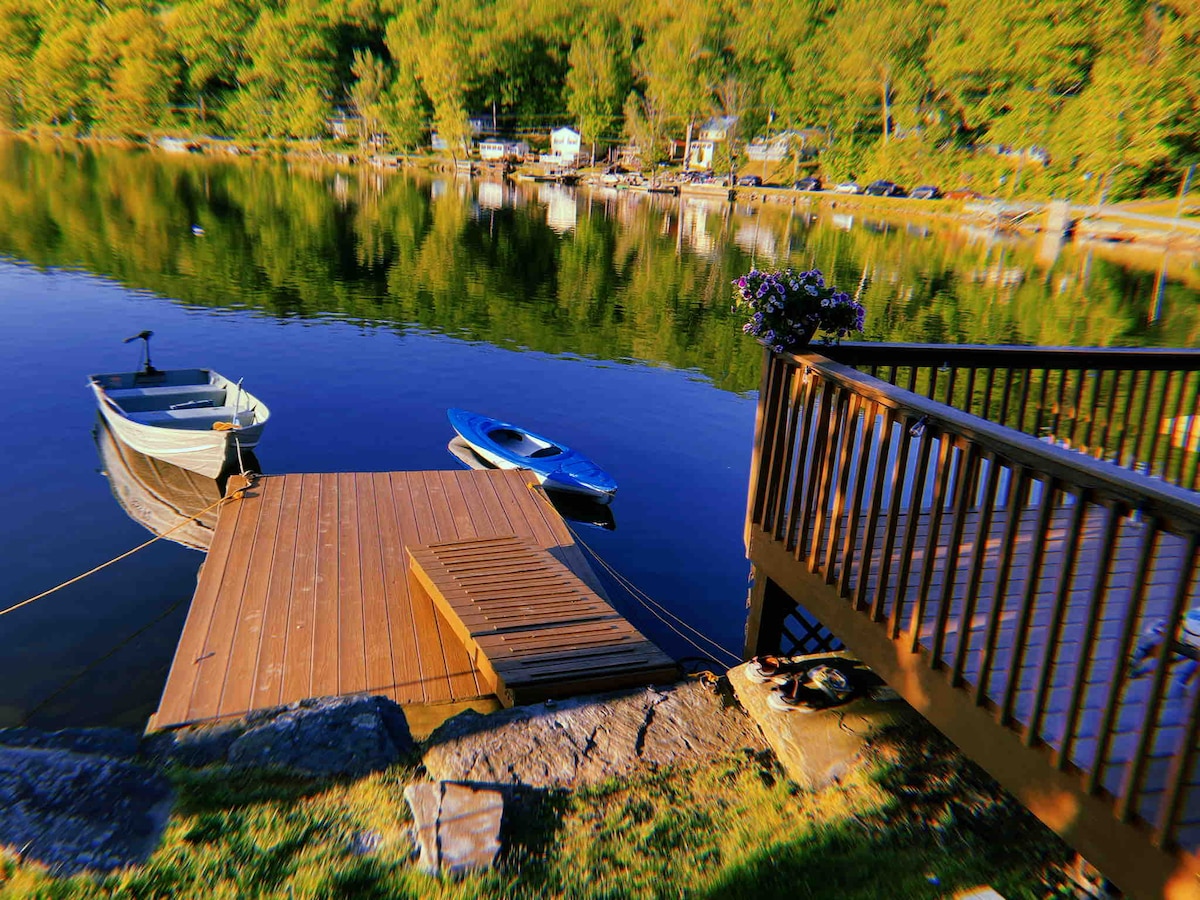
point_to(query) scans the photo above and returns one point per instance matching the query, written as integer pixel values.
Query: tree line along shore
(1018, 97)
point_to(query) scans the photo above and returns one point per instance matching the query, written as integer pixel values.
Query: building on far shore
(499, 149)
(712, 133)
(565, 145)
(806, 142)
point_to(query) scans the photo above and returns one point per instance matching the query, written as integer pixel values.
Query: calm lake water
(361, 305)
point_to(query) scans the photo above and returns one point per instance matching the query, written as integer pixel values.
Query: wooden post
(768, 606)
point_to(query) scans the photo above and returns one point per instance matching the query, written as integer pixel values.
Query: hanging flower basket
(786, 309)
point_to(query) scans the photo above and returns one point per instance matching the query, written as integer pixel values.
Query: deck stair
(533, 629)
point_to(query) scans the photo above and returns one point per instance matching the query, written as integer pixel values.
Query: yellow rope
(16, 606)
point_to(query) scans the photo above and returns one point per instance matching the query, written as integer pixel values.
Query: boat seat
(136, 400)
(201, 419)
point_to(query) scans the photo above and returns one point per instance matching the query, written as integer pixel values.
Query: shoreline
(1109, 225)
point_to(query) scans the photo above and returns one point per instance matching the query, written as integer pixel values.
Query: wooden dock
(306, 590)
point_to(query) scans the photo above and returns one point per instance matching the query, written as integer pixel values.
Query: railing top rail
(1004, 356)
(1176, 508)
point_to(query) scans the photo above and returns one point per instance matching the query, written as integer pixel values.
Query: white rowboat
(193, 418)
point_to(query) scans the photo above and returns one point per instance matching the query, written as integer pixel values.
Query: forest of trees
(1110, 90)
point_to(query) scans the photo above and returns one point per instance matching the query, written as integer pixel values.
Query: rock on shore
(586, 740)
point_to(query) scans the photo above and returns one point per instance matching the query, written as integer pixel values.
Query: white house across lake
(564, 147)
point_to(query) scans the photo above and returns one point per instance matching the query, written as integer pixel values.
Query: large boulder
(586, 740)
(74, 811)
(342, 736)
(322, 737)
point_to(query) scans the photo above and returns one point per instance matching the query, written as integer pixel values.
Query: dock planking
(534, 629)
(306, 592)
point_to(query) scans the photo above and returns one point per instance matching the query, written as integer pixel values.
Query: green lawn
(917, 822)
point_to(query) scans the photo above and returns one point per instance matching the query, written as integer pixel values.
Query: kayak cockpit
(524, 444)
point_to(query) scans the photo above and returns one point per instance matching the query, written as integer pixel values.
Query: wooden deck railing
(1135, 407)
(1028, 578)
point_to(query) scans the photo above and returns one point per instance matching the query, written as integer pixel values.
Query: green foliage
(1106, 89)
(598, 80)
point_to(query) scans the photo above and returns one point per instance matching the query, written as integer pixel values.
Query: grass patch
(729, 828)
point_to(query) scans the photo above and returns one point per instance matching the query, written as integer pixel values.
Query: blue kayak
(508, 446)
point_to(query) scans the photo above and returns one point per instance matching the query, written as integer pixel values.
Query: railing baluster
(781, 449)
(1156, 432)
(1024, 403)
(933, 535)
(910, 532)
(950, 380)
(1038, 540)
(912, 378)
(814, 384)
(1091, 625)
(1092, 407)
(1062, 597)
(1076, 398)
(773, 517)
(889, 533)
(1140, 458)
(1135, 770)
(1017, 496)
(1094, 779)
(820, 451)
(969, 404)
(986, 408)
(866, 440)
(840, 425)
(1041, 404)
(1126, 418)
(1110, 409)
(1188, 416)
(964, 491)
(878, 484)
(978, 558)
(851, 413)
(1060, 403)
(775, 372)
(1004, 398)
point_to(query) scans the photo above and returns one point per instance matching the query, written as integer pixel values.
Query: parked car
(749, 181)
(963, 193)
(807, 184)
(925, 192)
(848, 187)
(883, 188)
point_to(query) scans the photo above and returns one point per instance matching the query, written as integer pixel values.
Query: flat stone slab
(457, 826)
(588, 739)
(816, 748)
(74, 811)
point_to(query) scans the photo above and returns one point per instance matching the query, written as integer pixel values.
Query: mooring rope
(651, 605)
(117, 559)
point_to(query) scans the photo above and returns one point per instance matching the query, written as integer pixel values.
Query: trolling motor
(148, 369)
